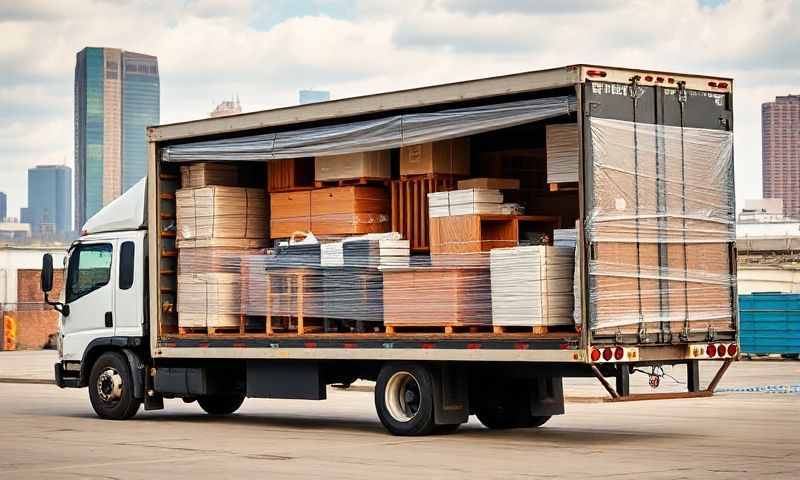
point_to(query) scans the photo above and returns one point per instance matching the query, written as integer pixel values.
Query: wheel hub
(402, 396)
(109, 385)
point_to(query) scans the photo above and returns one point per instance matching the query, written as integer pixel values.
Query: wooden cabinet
(481, 233)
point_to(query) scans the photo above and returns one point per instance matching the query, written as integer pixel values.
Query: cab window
(89, 269)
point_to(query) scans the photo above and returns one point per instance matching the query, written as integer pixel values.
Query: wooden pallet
(209, 331)
(437, 329)
(532, 329)
(352, 181)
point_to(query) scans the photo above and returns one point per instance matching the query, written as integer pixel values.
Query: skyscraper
(227, 107)
(117, 95)
(313, 96)
(49, 210)
(3, 206)
(780, 142)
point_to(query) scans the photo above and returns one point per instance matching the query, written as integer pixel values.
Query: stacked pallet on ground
(562, 153)
(532, 287)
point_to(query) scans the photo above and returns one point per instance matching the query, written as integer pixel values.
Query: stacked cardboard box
(220, 216)
(532, 286)
(367, 165)
(445, 157)
(562, 153)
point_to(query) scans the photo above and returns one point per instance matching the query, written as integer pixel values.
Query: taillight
(711, 350)
(596, 73)
(595, 354)
(712, 84)
(721, 350)
(648, 78)
(732, 349)
(607, 353)
(619, 352)
(722, 85)
(670, 80)
(660, 79)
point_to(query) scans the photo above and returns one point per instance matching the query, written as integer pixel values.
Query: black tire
(112, 395)
(408, 387)
(221, 404)
(446, 429)
(790, 356)
(508, 413)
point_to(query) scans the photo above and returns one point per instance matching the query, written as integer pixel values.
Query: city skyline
(260, 51)
(780, 137)
(49, 207)
(117, 95)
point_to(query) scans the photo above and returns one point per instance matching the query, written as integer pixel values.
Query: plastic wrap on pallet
(212, 214)
(660, 229)
(378, 134)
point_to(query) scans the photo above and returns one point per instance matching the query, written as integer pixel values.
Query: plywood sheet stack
(203, 174)
(532, 286)
(562, 153)
(475, 201)
(434, 296)
(365, 165)
(209, 287)
(220, 216)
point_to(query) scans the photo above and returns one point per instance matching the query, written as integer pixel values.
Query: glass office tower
(117, 95)
(49, 210)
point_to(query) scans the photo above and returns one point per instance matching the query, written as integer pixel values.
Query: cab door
(89, 293)
(130, 285)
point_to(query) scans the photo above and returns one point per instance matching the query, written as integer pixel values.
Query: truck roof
(431, 95)
(126, 212)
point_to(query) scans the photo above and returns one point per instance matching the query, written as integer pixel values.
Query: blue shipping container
(769, 323)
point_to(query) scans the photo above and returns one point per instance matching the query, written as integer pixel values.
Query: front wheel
(111, 388)
(221, 404)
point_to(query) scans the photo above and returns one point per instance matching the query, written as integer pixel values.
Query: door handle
(109, 320)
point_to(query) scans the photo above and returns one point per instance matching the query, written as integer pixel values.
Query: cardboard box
(449, 157)
(374, 165)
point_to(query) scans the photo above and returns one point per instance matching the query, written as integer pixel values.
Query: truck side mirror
(47, 273)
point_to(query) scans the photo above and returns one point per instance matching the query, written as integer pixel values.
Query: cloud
(265, 51)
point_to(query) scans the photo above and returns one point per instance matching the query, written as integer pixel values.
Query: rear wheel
(221, 404)
(111, 388)
(404, 399)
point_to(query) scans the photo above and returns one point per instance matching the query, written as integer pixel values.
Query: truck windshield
(89, 269)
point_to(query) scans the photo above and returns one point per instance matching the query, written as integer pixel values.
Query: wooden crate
(289, 212)
(409, 207)
(290, 174)
(367, 165)
(349, 210)
(433, 296)
(445, 157)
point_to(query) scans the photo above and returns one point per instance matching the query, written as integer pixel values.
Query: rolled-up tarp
(378, 134)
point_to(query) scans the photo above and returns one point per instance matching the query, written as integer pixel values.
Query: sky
(210, 50)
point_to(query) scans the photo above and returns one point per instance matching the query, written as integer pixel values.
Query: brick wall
(35, 321)
(29, 287)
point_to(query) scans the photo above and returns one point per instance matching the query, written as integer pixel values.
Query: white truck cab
(103, 302)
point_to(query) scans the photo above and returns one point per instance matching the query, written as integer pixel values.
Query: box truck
(615, 252)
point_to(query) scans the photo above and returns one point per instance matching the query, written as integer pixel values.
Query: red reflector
(607, 353)
(473, 346)
(595, 354)
(618, 353)
(670, 80)
(427, 346)
(310, 345)
(239, 345)
(648, 78)
(660, 79)
(596, 73)
(732, 349)
(521, 346)
(712, 84)
(721, 350)
(349, 345)
(722, 85)
(711, 350)
(202, 345)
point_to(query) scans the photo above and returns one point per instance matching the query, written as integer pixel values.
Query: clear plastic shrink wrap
(659, 228)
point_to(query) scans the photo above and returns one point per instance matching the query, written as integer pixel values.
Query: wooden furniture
(410, 207)
(290, 174)
(446, 157)
(481, 233)
(436, 297)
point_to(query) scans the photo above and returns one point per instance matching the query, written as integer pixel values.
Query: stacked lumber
(475, 201)
(532, 286)
(204, 174)
(220, 216)
(436, 296)
(374, 253)
(364, 165)
(209, 300)
(445, 157)
(562, 153)
(489, 184)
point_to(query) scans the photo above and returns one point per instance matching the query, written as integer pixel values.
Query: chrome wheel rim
(109, 385)
(403, 396)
